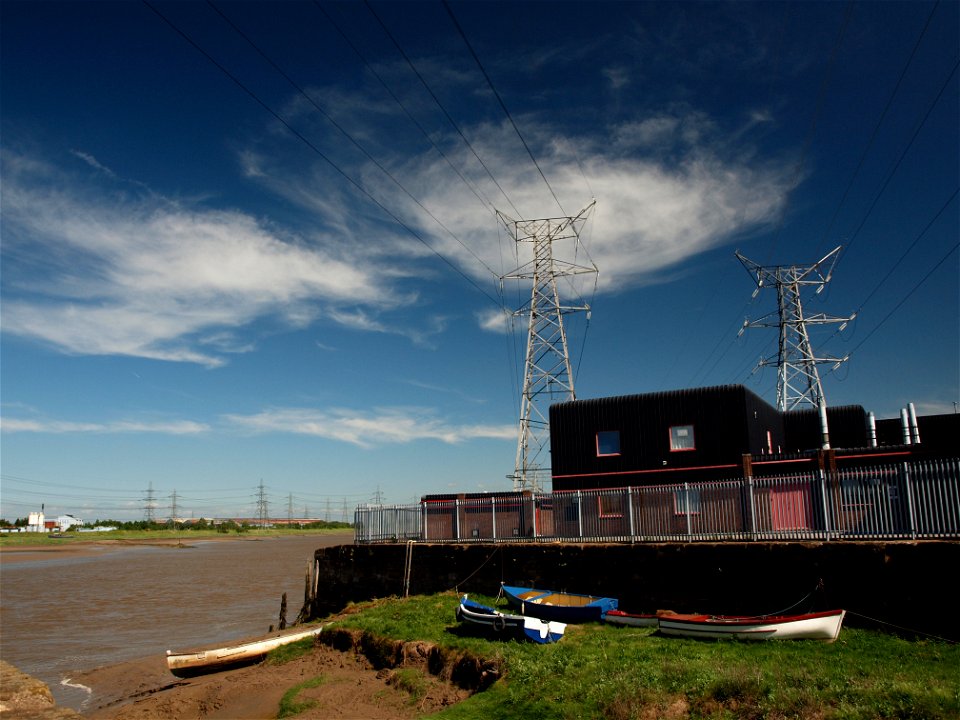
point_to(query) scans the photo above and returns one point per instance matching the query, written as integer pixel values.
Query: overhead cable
(316, 150)
(502, 104)
(344, 132)
(876, 128)
(439, 105)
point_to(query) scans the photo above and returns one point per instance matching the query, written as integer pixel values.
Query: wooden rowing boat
(188, 664)
(619, 617)
(809, 626)
(560, 606)
(530, 628)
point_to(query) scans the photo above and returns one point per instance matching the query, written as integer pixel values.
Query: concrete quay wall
(902, 585)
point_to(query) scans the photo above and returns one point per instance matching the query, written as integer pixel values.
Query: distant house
(65, 522)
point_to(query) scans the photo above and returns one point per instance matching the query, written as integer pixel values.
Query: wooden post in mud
(308, 586)
(309, 594)
(283, 611)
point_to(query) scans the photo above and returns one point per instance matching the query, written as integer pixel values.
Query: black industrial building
(716, 433)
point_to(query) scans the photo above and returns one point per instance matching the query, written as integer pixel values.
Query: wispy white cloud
(499, 321)
(92, 273)
(368, 429)
(665, 193)
(93, 162)
(62, 427)
(669, 185)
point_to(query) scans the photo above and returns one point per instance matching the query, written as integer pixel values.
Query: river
(67, 613)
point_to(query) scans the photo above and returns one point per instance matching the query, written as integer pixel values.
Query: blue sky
(250, 243)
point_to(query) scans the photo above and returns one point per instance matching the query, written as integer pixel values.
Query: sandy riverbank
(351, 688)
(145, 689)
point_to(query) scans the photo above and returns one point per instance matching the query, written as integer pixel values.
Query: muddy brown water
(62, 615)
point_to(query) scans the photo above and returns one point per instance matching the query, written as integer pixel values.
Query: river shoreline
(74, 548)
(72, 609)
(91, 548)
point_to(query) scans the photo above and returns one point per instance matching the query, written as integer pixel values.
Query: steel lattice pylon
(798, 381)
(547, 374)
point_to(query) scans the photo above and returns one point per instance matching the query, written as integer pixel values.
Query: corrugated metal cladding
(727, 421)
(937, 432)
(847, 425)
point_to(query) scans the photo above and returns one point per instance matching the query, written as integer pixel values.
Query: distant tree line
(224, 526)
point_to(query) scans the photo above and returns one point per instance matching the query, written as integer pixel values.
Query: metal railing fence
(911, 500)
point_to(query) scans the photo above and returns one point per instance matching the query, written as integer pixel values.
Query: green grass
(43, 539)
(290, 706)
(412, 681)
(602, 671)
(290, 651)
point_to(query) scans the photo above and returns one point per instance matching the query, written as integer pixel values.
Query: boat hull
(530, 628)
(207, 661)
(558, 606)
(811, 626)
(618, 617)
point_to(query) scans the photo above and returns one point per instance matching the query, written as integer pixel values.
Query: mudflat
(94, 547)
(337, 684)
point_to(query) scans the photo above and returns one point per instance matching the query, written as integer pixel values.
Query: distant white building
(36, 522)
(65, 522)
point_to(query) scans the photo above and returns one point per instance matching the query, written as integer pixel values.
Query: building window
(610, 505)
(686, 502)
(681, 438)
(608, 442)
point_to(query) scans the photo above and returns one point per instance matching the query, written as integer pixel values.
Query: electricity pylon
(547, 374)
(798, 380)
(150, 505)
(263, 512)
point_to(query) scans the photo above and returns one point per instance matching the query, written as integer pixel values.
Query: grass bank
(603, 671)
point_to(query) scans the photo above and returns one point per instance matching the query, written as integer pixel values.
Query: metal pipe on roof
(905, 426)
(914, 427)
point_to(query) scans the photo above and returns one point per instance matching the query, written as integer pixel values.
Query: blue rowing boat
(560, 606)
(530, 628)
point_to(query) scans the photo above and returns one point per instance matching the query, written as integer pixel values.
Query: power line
(906, 297)
(315, 149)
(808, 140)
(815, 118)
(876, 128)
(903, 154)
(502, 104)
(344, 132)
(440, 105)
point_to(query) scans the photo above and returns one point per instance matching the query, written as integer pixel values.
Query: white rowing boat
(808, 626)
(188, 664)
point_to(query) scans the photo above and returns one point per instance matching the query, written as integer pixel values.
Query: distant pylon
(150, 505)
(798, 381)
(263, 512)
(547, 374)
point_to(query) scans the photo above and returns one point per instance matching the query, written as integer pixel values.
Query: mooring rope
(456, 587)
(408, 569)
(900, 627)
(799, 602)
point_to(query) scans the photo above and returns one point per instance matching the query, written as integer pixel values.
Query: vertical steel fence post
(825, 502)
(579, 515)
(686, 509)
(633, 533)
(910, 512)
(493, 513)
(533, 503)
(753, 507)
(456, 519)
